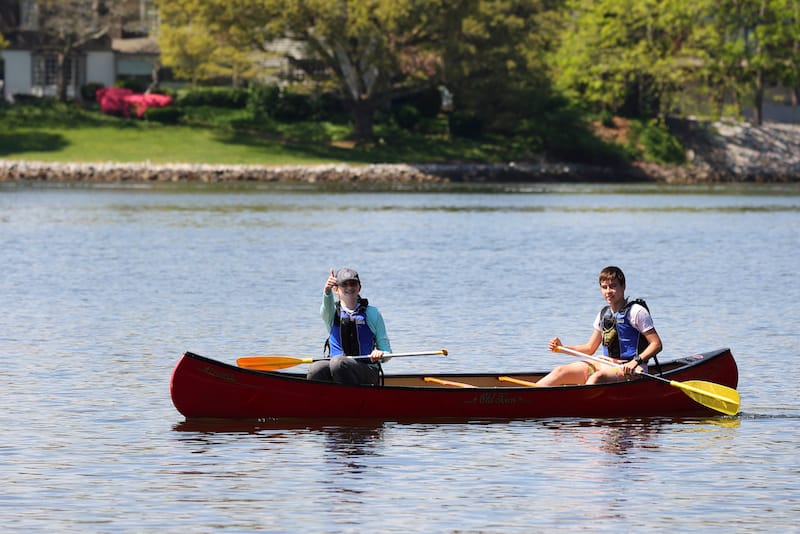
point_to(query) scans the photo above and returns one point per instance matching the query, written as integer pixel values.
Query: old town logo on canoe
(217, 374)
(491, 397)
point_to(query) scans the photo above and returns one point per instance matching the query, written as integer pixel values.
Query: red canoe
(203, 388)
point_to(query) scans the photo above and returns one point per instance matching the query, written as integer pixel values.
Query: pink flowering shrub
(120, 101)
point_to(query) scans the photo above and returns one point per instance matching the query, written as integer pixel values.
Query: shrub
(261, 100)
(465, 124)
(329, 106)
(137, 85)
(220, 97)
(292, 107)
(427, 102)
(89, 91)
(407, 117)
(658, 144)
(165, 115)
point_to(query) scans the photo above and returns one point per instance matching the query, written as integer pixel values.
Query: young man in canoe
(626, 331)
(354, 329)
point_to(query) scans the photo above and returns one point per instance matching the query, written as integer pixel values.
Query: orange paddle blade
(270, 363)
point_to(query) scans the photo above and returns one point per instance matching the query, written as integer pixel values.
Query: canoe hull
(202, 388)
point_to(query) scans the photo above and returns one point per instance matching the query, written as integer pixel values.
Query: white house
(31, 66)
(30, 63)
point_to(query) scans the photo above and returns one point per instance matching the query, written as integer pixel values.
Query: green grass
(56, 132)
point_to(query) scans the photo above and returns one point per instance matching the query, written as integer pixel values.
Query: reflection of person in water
(621, 438)
(350, 443)
(624, 438)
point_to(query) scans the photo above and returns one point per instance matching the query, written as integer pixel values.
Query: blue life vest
(350, 334)
(621, 340)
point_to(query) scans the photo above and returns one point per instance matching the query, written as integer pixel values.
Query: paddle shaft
(605, 361)
(399, 355)
(282, 362)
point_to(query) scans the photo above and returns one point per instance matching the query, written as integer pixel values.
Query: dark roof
(32, 40)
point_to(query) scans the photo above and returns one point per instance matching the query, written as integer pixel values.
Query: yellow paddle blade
(716, 396)
(270, 363)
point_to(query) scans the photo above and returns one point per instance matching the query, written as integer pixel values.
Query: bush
(465, 124)
(24, 98)
(407, 117)
(427, 102)
(165, 115)
(261, 100)
(89, 91)
(137, 85)
(219, 97)
(658, 144)
(329, 106)
(292, 107)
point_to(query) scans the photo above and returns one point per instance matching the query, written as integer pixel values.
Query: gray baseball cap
(344, 274)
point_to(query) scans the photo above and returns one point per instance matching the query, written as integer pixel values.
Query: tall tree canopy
(645, 56)
(375, 49)
(634, 54)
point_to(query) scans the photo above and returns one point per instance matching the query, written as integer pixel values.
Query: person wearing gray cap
(354, 329)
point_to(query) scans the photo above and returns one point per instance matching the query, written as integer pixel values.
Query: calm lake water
(103, 288)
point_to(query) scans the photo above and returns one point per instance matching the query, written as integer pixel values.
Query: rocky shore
(719, 152)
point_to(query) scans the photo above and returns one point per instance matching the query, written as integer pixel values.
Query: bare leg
(572, 373)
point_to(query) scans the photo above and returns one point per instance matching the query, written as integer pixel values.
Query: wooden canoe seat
(448, 382)
(517, 381)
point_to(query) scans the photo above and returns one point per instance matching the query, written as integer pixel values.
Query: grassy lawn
(63, 133)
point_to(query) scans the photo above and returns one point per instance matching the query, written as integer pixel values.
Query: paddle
(716, 396)
(273, 363)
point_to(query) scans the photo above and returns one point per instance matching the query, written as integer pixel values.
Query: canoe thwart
(448, 382)
(518, 381)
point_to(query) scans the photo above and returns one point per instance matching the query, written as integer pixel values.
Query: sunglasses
(348, 283)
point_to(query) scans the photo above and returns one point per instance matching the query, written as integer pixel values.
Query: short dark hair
(612, 273)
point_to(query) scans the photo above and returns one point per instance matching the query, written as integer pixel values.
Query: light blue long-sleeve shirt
(374, 321)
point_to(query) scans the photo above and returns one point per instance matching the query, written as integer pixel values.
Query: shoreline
(37, 171)
(717, 153)
(339, 173)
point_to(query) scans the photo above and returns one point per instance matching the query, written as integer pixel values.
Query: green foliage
(49, 112)
(427, 102)
(221, 97)
(292, 107)
(163, 115)
(466, 124)
(137, 85)
(89, 91)
(261, 100)
(407, 116)
(657, 143)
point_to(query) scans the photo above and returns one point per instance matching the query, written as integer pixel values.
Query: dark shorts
(345, 370)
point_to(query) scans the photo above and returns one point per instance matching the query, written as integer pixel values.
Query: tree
(375, 49)
(778, 48)
(631, 55)
(495, 60)
(197, 53)
(69, 25)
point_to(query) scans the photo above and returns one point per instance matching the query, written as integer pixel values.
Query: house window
(45, 70)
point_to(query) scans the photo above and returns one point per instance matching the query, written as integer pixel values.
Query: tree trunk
(363, 118)
(758, 103)
(61, 75)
